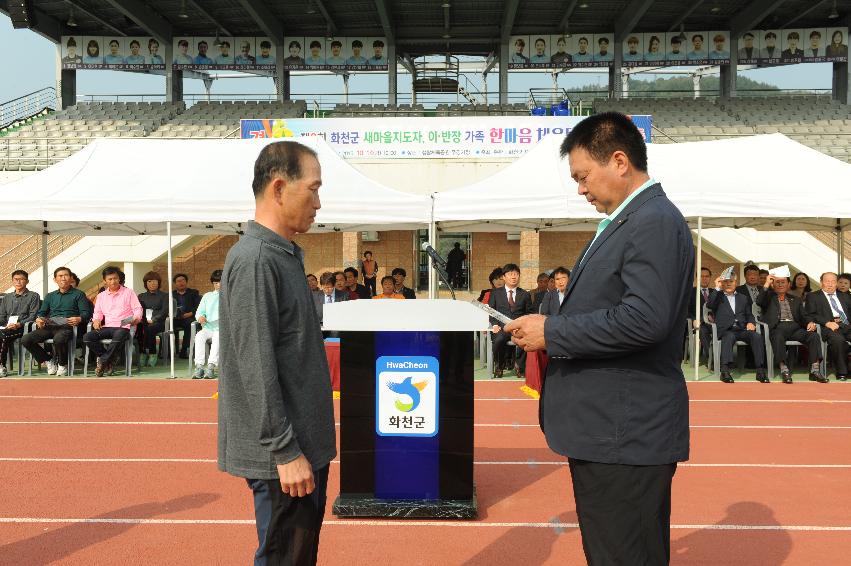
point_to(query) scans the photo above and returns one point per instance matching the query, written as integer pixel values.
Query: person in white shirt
(207, 316)
(831, 310)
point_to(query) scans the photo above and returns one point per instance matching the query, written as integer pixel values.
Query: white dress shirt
(836, 314)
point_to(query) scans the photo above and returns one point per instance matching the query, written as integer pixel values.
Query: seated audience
(735, 320)
(843, 283)
(154, 303)
(784, 315)
(17, 309)
(340, 282)
(801, 286)
(399, 275)
(388, 289)
(496, 282)
(61, 311)
(763, 276)
(540, 291)
(751, 286)
(117, 308)
(356, 290)
(706, 292)
(312, 282)
(208, 317)
(187, 300)
(551, 303)
(831, 310)
(514, 302)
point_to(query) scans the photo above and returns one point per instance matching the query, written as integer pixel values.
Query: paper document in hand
(782, 271)
(149, 314)
(727, 273)
(13, 319)
(492, 312)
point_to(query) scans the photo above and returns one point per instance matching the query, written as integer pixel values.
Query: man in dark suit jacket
(706, 292)
(614, 400)
(187, 301)
(356, 290)
(551, 303)
(831, 310)
(325, 295)
(783, 312)
(399, 275)
(736, 324)
(514, 302)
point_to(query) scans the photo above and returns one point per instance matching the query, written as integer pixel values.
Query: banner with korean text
(456, 137)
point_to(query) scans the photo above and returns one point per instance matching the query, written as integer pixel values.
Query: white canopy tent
(135, 186)
(156, 186)
(762, 182)
(766, 182)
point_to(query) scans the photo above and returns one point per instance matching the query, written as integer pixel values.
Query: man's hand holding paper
(527, 332)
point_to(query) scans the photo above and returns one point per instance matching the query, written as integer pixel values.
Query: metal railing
(27, 106)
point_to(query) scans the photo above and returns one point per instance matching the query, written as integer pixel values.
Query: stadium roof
(422, 27)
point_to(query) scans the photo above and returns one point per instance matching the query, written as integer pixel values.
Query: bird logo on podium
(409, 389)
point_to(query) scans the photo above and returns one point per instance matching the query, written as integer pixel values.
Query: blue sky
(22, 75)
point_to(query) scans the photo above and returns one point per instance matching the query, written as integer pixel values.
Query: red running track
(85, 479)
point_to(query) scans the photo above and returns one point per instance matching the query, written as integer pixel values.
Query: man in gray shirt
(276, 414)
(16, 310)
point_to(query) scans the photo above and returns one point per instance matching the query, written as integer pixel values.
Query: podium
(406, 407)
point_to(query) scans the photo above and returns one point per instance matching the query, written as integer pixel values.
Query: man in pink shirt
(116, 309)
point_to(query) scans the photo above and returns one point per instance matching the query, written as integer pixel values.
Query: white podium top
(404, 315)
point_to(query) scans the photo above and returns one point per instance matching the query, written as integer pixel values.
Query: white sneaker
(3, 371)
(61, 370)
(51, 367)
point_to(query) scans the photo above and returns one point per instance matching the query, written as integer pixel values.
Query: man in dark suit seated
(706, 292)
(831, 309)
(551, 303)
(514, 302)
(751, 286)
(615, 400)
(783, 312)
(327, 294)
(734, 317)
(399, 274)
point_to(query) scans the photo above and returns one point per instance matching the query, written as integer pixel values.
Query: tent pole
(840, 248)
(171, 337)
(697, 309)
(432, 240)
(44, 260)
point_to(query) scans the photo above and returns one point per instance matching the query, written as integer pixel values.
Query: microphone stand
(443, 276)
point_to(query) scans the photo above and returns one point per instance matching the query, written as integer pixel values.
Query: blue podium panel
(406, 434)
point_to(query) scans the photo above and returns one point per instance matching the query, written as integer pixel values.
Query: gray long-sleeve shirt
(25, 306)
(275, 398)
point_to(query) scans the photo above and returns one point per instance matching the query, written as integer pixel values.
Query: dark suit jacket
(818, 309)
(691, 303)
(363, 292)
(615, 391)
(192, 299)
(550, 304)
(407, 292)
(319, 300)
(499, 301)
(725, 318)
(770, 306)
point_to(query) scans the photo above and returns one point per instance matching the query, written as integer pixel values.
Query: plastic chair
(72, 349)
(128, 352)
(207, 345)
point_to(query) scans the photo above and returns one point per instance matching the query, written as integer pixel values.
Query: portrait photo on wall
(769, 49)
(696, 50)
(633, 50)
(181, 56)
(72, 51)
(243, 52)
(603, 48)
(203, 52)
(154, 54)
(675, 46)
(719, 47)
(294, 54)
(223, 53)
(654, 44)
(518, 50)
(92, 50)
(791, 41)
(356, 58)
(836, 46)
(265, 52)
(315, 52)
(114, 55)
(749, 44)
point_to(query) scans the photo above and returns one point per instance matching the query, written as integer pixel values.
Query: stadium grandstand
(430, 119)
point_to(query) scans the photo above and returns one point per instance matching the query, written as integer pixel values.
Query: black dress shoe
(497, 374)
(841, 377)
(761, 377)
(786, 375)
(817, 376)
(726, 377)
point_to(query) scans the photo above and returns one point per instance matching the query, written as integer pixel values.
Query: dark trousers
(786, 331)
(61, 335)
(7, 337)
(501, 349)
(624, 512)
(370, 282)
(104, 353)
(837, 346)
(148, 338)
(728, 347)
(184, 324)
(288, 527)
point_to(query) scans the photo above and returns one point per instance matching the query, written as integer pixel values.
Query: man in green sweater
(207, 316)
(61, 311)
